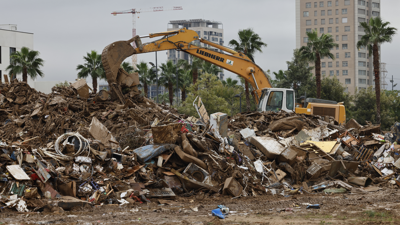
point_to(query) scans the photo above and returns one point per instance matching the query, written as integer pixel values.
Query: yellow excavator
(268, 98)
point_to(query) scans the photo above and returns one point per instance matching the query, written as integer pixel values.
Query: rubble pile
(76, 149)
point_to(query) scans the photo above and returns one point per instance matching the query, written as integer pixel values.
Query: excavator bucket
(112, 57)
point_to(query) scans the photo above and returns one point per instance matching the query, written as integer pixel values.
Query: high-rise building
(340, 18)
(209, 30)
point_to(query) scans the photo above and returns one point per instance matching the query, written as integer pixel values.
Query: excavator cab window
(274, 103)
(264, 94)
(289, 100)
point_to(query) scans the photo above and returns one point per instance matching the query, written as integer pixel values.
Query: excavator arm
(114, 54)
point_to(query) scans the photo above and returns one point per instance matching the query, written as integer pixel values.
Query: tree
(127, 67)
(207, 67)
(26, 62)
(298, 76)
(168, 77)
(92, 67)
(229, 82)
(62, 84)
(333, 90)
(207, 89)
(316, 48)
(377, 32)
(185, 80)
(145, 76)
(163, 98)
(249, 43)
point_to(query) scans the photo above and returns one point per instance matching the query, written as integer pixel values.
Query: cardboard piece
(17, 172)
(232, 187)
(269, 146)
(101, 133)
(82, 88)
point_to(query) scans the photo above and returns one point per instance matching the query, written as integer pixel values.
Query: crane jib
(206, 54)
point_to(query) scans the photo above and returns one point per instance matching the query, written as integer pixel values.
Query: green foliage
(63, 84)
(26, 62)
(92, 67)
(298, 76)
(169, 71)
(127, 67)
(207, 67)
(332, 89)
(163, 98)
(364, 109)
(229, 82)
(209, 89)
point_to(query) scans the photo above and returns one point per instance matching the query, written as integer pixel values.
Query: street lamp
(155, 70)
(239, 96)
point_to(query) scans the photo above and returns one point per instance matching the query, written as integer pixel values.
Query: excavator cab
(276, 99)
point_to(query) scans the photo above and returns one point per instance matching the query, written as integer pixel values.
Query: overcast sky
(64, 31)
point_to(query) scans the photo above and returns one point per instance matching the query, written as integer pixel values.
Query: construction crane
(134, 12)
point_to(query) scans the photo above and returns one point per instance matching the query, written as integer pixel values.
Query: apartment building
(340, 18)
(209, 30)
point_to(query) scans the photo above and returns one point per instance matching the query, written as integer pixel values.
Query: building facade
(11, 41)
(209, 30)
(340, 18)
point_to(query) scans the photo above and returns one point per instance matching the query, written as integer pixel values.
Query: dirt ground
(381, 207)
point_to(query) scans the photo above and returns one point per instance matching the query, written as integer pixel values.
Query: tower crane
(134, 13)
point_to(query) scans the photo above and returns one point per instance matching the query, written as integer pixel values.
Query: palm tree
(376, 32)
(168, 77)
(185, 80)
(249, 43)
(207, 67)
(316, 48)
(163, 98)
(92, 67)
(229, 82)
(146, 77)
(196, 65)
(26, 62)
(127, 67)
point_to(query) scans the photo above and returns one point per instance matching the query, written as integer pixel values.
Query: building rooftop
(209, 22)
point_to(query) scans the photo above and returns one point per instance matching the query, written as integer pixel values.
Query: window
(361, 11)
(321, 4)
(337, 12)
(346, 2)
(329, 3)
(315, 4)
(344, 37)
(337, 2)
(322, 12)
(321, 30)
(375, 5)
(12, 51)
(329, 64)
(0, 61)
(331, 21)
(308, 30)
(315, 13)
(329, 29)
(290, 100)
(337, 55)
(347, 54)
(361, 2)
(323, 64)
(337, 64)
(308, 22)
(345, 72)
(344, 20)
(347, 81)
(362, 72)
(305, 40)
(337, 73)
(322, 21)
(306, 14)
(374, 13)
(274, 100)
(323, 73)
(330, 12)
(362, 64)
(308, 5)
(360, 19)
(361, 29)
(362, 81)
(337, 46)
(337, 29)
(359, 37)
(337, 37)
(315, 22)
(347, 29)
(205, 32)
(337, 20)
(331, 72)
(345, 64)
(344, 11)
(361, 55)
